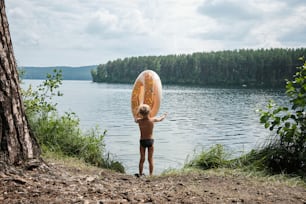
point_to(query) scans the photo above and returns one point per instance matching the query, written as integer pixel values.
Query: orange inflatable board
(147, 90)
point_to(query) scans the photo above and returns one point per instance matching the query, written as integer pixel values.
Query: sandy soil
(66, 184)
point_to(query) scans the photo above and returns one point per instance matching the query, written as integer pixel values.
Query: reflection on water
(198, 118)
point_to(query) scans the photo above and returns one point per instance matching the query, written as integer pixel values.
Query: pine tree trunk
(17, 142)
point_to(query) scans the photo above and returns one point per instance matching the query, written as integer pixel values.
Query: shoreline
(72, 182)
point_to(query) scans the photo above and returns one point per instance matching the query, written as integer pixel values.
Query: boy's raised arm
(162, 117)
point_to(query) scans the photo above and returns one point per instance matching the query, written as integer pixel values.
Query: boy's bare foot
(137, 175)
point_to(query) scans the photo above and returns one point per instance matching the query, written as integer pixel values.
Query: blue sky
(82, 32)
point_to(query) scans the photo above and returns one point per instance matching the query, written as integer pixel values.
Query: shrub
(287, 152)
(39, 101)
(61, 134)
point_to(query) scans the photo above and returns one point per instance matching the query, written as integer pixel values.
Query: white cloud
(79, 32)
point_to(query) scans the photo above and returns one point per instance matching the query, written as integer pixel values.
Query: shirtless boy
(146, 125)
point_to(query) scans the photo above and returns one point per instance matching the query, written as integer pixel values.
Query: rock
(33, 163)
(90, 179)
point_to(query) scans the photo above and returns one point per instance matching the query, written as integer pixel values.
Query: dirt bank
(67, 184)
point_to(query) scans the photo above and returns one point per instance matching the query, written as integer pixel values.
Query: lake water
(197, 118)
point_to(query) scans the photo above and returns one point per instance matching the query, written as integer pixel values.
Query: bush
(61, 134)
(39, 101)
(287, 152)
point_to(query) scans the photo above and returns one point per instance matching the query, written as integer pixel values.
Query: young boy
(146, 125)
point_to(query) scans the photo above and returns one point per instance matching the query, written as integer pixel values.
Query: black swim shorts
(146, 142)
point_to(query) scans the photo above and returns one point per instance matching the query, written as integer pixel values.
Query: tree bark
(17, 142)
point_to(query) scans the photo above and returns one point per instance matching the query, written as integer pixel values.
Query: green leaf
(286, 117)
(264, 118)
(287, 124)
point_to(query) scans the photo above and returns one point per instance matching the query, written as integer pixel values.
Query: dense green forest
(245, 67)
(68, 73)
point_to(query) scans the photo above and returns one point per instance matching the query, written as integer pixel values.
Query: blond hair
(144, 109)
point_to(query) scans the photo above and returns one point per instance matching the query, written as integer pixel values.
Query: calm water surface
(197, 118)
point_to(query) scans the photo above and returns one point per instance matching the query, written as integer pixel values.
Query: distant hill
(69, 73)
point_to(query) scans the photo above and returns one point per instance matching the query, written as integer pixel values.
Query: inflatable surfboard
(147, 90)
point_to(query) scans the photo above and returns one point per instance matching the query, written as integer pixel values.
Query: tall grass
(286, 151)
(255, 162)
(62, 134)
(215, 157)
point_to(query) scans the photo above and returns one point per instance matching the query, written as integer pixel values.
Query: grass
(62, 136)
(70, 162)
(55, 157)
(224, 170)
(216, 161)
(259, 176)
(215, 157)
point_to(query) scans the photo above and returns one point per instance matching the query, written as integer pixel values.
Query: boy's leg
(142, 159)
(150, 158)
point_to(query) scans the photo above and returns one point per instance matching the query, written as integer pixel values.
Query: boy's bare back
(146, 123)
(146, 126)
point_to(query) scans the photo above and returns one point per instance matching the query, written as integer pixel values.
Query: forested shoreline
(68, 73)
(245, 67)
